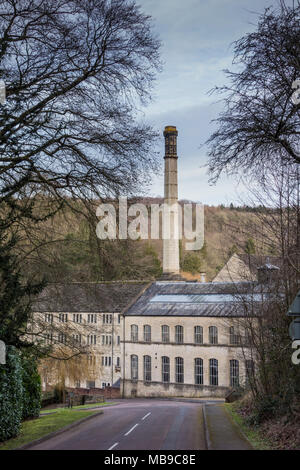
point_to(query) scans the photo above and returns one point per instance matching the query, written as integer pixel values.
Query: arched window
(213, 334)
(178, 334)
(234, 373)
(165, 334)
(147, 333)
(234, 338)
(134, 333)
(179, 371)
(134, 367)
(198, 371)
(213, 372)
(198, 334)
(147, 368)
(165, 369)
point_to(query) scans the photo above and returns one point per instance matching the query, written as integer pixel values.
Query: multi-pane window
(134, 367)
(107, 318)
(147, 368)
(198, 334)
(165, 369)
(92, 318)
(234, 337)
(147, 333)
(77, 338)
(178, 334)
(106, 361)
(49, 317)
(234, 373)
(91, 360)
(213, 372)
(165, 334)
(91, 339)
(198, 371)
(62, 338)
(49, 338)
(134, 333)
(179, 371)
(249, 367)
(213, 334)
(63, 317)
(77, 317)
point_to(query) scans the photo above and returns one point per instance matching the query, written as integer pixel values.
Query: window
(234, 373)
(119, 318)
(118, 340)
(77, 338)
(91, 339)
(179, 372)
(165, 369)
(165, 334)
(107, 318)
(134, 367)
(213, 334)
(90, 384)
(49, 338)
(77, 384)
(178, 334)
(213, 372)
(62, 338)
(147, 368)
(198, 334)
(49, 317)
(198, 371)
(134, 333)
(108, 340)
(77, 317)
(249, 367)
(92, 318)
(234, 338)
(118, 362)
(63, 317)
(147, 333)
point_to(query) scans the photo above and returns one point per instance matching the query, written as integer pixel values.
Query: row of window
(198, 370)
(90, 339)
(78, 317)
(234, 338)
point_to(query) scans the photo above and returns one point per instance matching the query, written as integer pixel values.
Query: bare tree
(260, 122)
(75, 73)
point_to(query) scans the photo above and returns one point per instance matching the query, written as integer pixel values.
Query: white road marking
(146, 416)
(113, 446)
(130, 430)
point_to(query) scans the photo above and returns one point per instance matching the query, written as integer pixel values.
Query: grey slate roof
(143, 306)
(88, 297)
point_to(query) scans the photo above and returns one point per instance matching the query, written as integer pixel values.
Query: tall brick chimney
(171, 245)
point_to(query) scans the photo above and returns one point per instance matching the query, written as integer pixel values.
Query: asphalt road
(138, 424)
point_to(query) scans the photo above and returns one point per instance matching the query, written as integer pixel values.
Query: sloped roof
(194, 299)
(88, 297)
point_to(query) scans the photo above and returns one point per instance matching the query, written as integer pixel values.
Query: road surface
(141, 424)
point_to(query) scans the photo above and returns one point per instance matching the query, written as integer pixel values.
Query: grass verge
(39, 427)
(252, 434)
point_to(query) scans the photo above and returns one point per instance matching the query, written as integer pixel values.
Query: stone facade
(223, 352)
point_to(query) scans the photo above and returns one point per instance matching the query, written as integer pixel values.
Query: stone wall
(131, 389)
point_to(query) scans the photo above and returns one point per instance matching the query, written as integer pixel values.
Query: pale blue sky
(196, 40)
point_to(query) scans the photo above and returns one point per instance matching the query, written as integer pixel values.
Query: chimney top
(170, 130)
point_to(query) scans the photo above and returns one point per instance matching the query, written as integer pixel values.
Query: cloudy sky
(196, 40)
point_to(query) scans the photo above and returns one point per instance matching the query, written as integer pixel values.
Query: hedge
(32, 392)
(20, 392)
(11, 393)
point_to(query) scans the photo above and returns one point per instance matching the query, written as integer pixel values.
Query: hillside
(67, 249)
